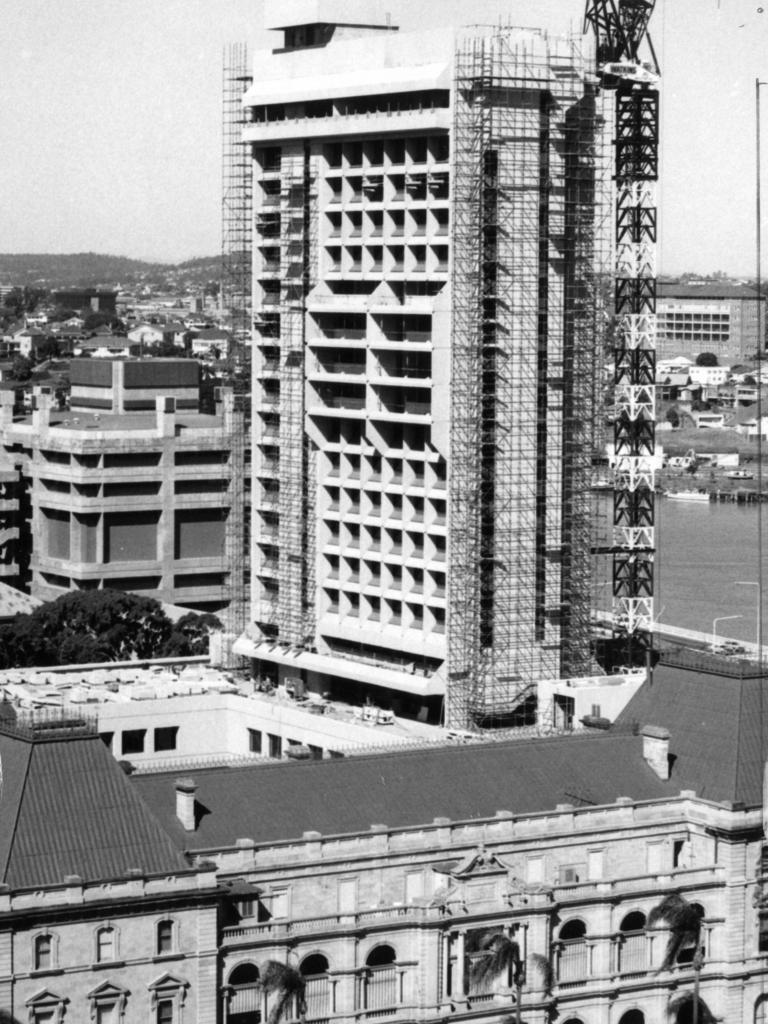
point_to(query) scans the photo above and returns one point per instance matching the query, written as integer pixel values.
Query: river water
(702, 550)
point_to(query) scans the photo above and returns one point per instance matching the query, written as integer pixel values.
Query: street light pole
(754, 583)
(721, 618)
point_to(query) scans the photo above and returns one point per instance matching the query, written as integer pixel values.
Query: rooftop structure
(424, 251)
(169, 716)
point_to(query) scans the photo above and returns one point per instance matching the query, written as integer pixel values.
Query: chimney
(185, 803)
(656, 748)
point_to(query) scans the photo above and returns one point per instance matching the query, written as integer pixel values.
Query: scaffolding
(296, 503)
(237, 197)
(523, 376)
(236, 295)
(236, 532)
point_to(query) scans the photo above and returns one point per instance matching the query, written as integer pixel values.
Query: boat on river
(688, 495)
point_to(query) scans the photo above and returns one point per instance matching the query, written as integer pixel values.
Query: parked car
(729, 648)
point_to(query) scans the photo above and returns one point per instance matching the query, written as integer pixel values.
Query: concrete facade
(133, 500)
(355, 160)
(717, 318)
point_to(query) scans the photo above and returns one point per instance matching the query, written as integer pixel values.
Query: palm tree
(286, 984)
(684, 922)
(501, 956)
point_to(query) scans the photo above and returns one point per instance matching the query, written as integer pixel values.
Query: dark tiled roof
(281, 801)
(66, 808)
(714, 722)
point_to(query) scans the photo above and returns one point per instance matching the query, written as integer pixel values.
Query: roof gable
(68, 809)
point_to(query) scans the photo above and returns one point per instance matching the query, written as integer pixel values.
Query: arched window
(632, 1017)
(105, 944)
(164, 937)
(687, 950)
(682, 1009)
(761, 1011)
(244, 1002)
(573, 959)
(43, 952)
(381, 986)
(318, 993)
(632, 946)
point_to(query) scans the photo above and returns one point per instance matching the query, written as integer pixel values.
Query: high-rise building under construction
(426, 210)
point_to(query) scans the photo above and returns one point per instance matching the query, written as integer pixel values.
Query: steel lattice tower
(621, 26)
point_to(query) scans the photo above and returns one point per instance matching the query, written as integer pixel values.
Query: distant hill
(83, 269)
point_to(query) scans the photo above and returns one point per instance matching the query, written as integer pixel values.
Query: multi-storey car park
(425, 211)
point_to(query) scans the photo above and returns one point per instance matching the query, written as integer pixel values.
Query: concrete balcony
(336, 125)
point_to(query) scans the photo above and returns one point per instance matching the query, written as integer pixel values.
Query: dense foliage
(706, 359)
(101, 625)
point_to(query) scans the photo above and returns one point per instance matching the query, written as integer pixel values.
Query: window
(632, 949)
(573, 954)
(319, 993)
(165, 737)
(244, 995)
(43, 956)
(164, 1014)
(107, 1003)
(133, 741)
(254, 741)
(45, 1008)
(164, 937)
(105, 945)
(275, 745)
(381, 983)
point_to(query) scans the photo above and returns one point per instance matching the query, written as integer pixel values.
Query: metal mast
(621, 28)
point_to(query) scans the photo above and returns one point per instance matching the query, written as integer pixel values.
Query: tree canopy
(706, 359)
(22, 367)
(101, 625)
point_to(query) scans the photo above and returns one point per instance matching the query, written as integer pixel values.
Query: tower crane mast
(621, 28)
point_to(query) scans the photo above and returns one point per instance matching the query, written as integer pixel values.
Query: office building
(719, 318)
(424, 242)
(132, 488)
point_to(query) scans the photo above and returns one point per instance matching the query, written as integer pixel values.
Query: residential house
(212, 340)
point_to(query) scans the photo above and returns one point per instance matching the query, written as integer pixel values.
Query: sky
(110, 120)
